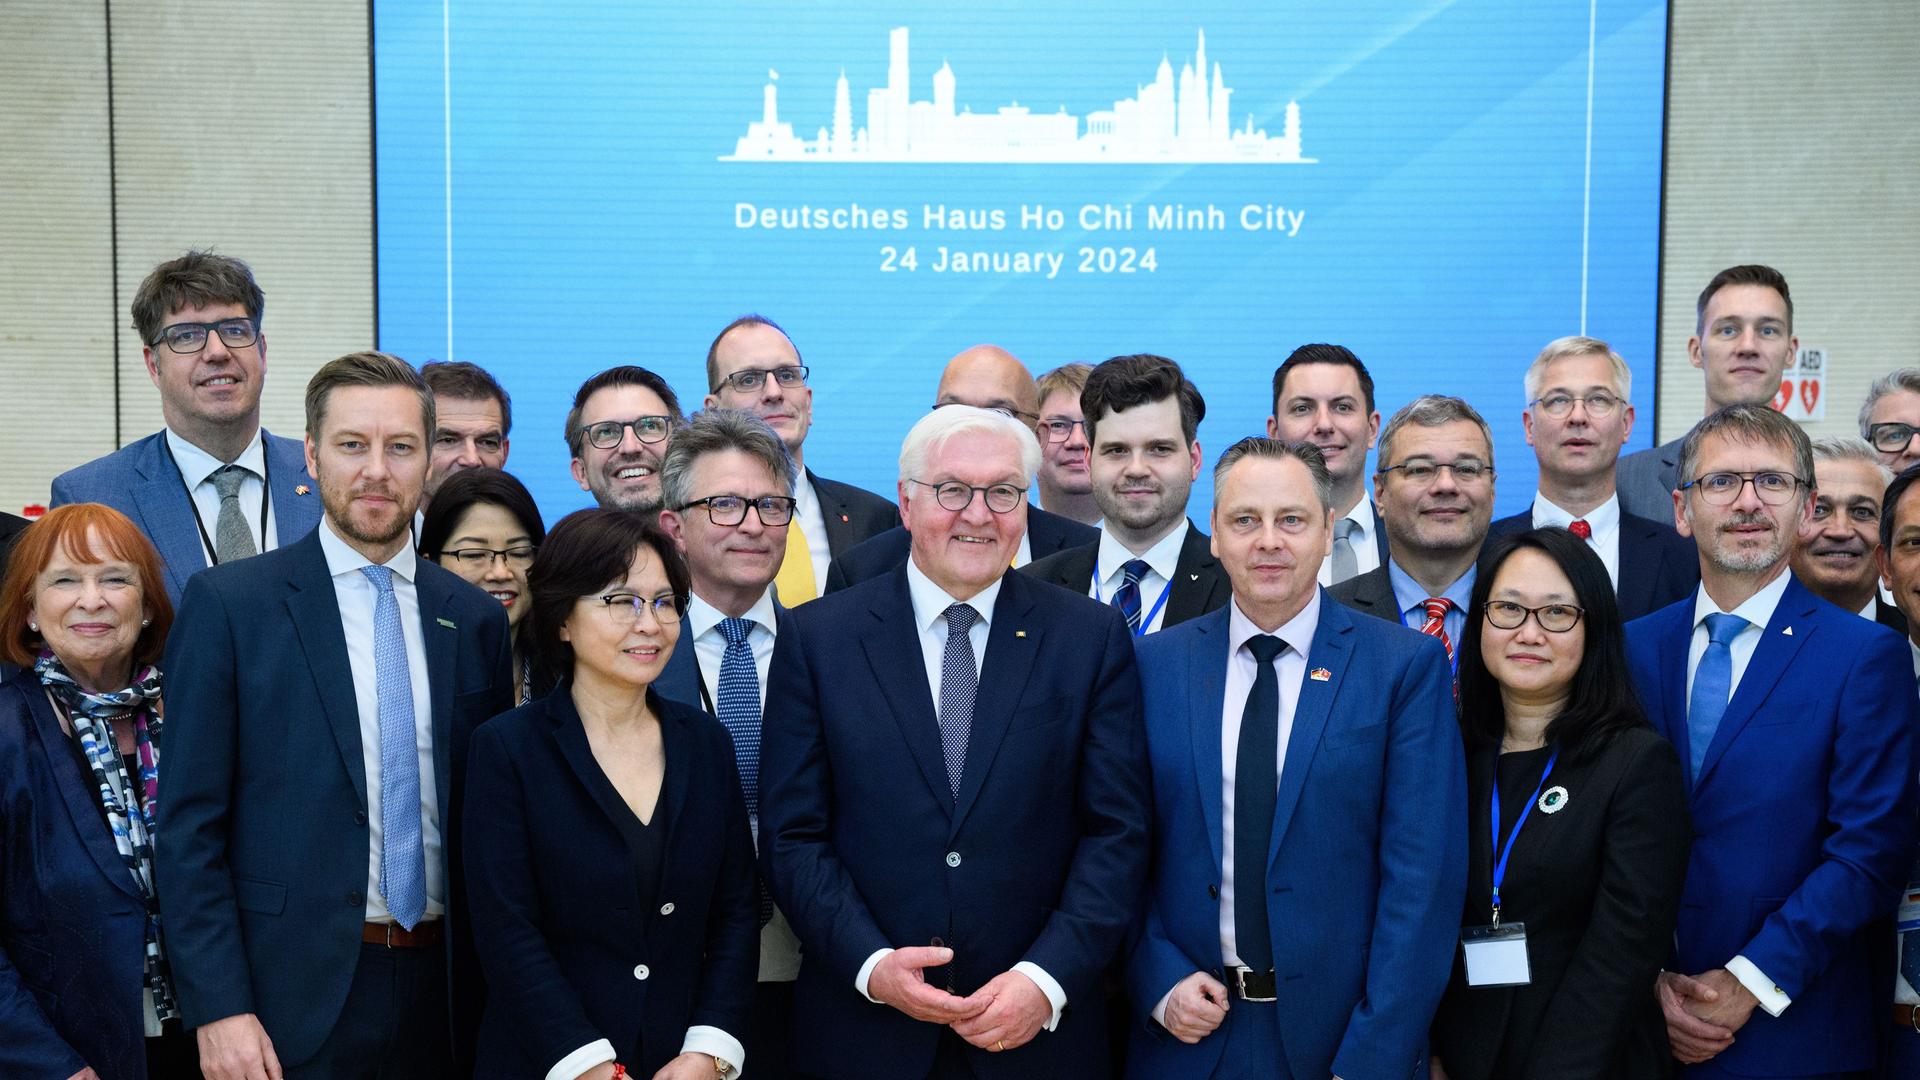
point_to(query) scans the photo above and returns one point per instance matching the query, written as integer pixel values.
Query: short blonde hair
(1575, 345)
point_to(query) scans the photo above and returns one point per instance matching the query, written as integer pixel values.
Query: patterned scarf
(92, 718)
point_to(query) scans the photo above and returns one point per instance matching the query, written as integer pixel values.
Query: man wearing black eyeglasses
(212, 486)
(1890, 418)
(617, 433)
(754, 366)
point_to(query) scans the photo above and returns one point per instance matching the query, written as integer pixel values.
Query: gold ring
(1001, 1045)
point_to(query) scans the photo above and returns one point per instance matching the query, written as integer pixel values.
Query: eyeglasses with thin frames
(624, 608)
(1420, 472)
(748, 380)
(1597, 404)
(956, 496)
(1723, 488)
(1057, 429)
(480, 558)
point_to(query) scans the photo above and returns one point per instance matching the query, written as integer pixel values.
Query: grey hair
(950, 421)
(1429, 410)
(1562, 348)
(712, 431)
(1260, 446)
(1848, 448)
(1748, 424)
(1906, 378)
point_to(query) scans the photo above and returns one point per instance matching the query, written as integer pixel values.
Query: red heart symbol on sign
(1809, 393)
(1785, 397)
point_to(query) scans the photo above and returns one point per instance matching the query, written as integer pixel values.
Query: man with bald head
(985, 377)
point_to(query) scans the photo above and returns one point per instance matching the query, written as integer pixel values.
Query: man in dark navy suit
(985, 377)
(955, 780)
(319, 702)
(1836, 553)
(1579, 414)
(1323, 394)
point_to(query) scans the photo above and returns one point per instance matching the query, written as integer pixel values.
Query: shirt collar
(1362, 514)
(344, 558)
(702, 616)
(930, 601)
(1604, 517)
(197, 466)
(1162, 558)
(1410, 595)
(1756, 609)
(803, 494)
(1297, 632)
(1916, 657)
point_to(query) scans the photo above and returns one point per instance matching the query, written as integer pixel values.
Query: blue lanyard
(1147, 619)
(1500, 865)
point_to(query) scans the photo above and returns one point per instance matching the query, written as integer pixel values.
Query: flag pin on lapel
(1019, 633)
(1319, 674)
(1788, 631)
(448, 623)
(301, 489)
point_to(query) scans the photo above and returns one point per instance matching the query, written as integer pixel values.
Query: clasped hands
(1004, 1014)
(1703, 1012)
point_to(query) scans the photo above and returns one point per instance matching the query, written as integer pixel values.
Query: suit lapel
(1331, 649)
(1638, 566)
(316, 620)
(1771, 657)
(1011, 644)
(1673, 637)
(1207, 663)
(77, 787)
(166, 512)
(571, 737)
(833, 513)
(294, 514)
(1196, 576)
(892, 644)
(440, 635)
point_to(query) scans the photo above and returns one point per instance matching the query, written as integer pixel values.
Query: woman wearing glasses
(483, 525)
(1578, 835)
(609, 861)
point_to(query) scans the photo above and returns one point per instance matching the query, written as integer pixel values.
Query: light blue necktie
(739, 709)
(403, 862)
(1712, 686)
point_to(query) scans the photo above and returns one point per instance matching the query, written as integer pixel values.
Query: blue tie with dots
(1127, 596)
(1712, 686)
(403, 861)
(739, 709)
(959, 684)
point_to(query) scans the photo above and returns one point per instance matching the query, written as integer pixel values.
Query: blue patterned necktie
(959, 684)
(403, 861)
(1127, 596)
(1712, 686)
(739, 709)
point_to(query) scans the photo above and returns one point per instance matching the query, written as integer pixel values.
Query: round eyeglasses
(607, 434)
(956, 496)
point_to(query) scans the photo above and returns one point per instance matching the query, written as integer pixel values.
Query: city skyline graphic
(1184, 119)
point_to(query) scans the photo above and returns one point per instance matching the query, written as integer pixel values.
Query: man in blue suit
(319, 702)
(1797, 721)
(955, 811)
(1309, 796)
(213, 486)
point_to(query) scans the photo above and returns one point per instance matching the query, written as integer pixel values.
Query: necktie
(1127, 596)
(403, 862)
(232, 538)
(1346, 564)
(1581, 529)
(794, 583)
(1436, 624)
(959, 683)
(1712, 686)
(1256, 786)
(739, 709)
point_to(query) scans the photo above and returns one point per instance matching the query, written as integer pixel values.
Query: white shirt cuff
(711, 1041)
(597, 1052)
(1772, 998)
(1160, 1009)
(1055, 996)
(866, 972)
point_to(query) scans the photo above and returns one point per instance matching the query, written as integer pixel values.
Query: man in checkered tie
(953, 789)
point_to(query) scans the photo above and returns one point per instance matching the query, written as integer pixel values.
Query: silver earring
(144, 623)
(34, 626)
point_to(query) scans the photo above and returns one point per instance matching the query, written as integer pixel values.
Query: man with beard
(1836, 553)
(1143, 417)
(753, 366)
(1796, 722)
(1066, 486)
(1435, 486)
(319, 701)
(1323, 394)
(617, 433)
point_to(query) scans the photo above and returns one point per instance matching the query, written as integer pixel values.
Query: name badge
(1908, 917)
(1496, 955)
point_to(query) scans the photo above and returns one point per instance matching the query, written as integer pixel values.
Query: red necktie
(1581, 529)
(1436, 624)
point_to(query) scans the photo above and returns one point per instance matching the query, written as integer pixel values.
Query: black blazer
(570, 953)
(852, 514)
(1046, 534)
(1370, 593)
(1199, 585)
(11, 526)
(1658, 566)
(1889, 616)
(1598, 885)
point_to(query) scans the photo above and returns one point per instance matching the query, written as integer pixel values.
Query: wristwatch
(721, 1070)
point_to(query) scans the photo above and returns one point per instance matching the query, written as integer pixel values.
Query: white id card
(1496, 955)
(1908, 917)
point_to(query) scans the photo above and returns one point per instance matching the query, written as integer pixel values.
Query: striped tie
(1436, 624)
(1127, 596)
(739, 710)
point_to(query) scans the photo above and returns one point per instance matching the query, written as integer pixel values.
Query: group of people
(328, 758)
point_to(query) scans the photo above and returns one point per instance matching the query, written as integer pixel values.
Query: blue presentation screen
(1443, 187)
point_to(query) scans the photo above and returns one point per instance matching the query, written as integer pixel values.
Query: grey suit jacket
(1646, 479)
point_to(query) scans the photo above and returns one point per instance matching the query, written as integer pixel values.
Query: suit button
(666, 908)
(1213, 891)
(359, 817)
(953, 858)
(640, 972)
(355, 899)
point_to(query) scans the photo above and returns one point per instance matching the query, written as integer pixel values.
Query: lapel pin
(843, 519)
(1788, 631)
(448, 623)
(1193, 577)
(301, 489)
(1554, 801)
(1019, 633)
(1319, 674)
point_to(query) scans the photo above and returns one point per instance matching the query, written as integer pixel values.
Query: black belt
(1250, 985)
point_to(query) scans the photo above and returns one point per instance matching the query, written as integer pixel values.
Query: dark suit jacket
(141, 481)
(579, 945)
(1598, 886)
(852, 514)
(1046, 534)
(263, 856)
(1041, 858)
(1645, 480)
(1366, 865)
(1199, 585)
(1658, 566)
(1370, 593)
(1889, 616)
(1803, 814)
(682, 680)
(72, 927)
(11, 526)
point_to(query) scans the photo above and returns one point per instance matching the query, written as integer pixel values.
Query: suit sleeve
(1102, 892)
(1643, 867)
(196, 783)
(803, 872)
(60, 495)
(836, 576)
(725, 998)
(1870, 810)
(29, 1043)
(1422, 873)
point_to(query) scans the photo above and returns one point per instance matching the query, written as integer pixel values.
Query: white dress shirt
(1604, 521)
(1366, 543)
(1161, 559)
(197, 468)
(1290, 667)
(356, 596)
(1758, 611)
(930, 603)
(813, 524)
